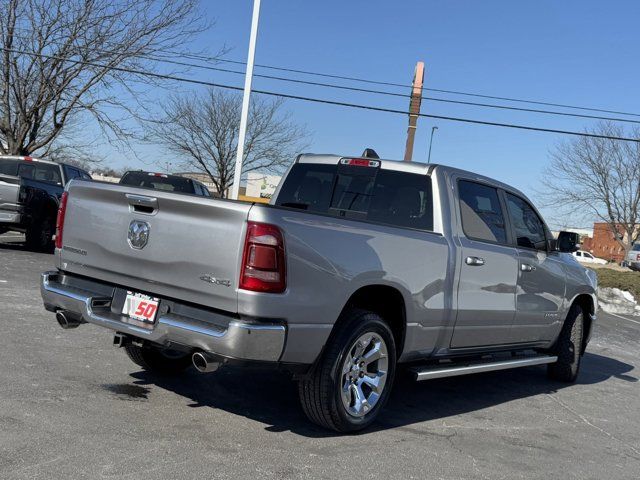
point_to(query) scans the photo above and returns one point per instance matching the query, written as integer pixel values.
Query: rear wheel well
(387, 302)
(586, 303)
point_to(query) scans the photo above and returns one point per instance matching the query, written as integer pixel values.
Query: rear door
(488, 268)
(541, 275)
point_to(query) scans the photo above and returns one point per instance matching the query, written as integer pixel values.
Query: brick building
(603, 243)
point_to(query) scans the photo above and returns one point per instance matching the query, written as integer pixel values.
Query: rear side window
(43, 172)
(157, 181)
(8, 167)
(366, 193)
(529, 229)
(481, 211)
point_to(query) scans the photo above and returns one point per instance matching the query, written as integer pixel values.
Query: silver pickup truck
(358, 265)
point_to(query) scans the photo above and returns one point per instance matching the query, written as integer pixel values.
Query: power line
(393, 94)
(392, 84)
(379, 92)
(324, 101)
(207, 58)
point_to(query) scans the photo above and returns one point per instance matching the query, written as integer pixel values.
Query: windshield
(158, 181)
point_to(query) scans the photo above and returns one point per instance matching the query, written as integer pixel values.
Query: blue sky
(573, 52)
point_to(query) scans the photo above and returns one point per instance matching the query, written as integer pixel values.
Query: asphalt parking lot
(72, 406)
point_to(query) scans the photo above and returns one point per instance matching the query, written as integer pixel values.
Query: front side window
(529, 229)
(482, 216)
(588, 255)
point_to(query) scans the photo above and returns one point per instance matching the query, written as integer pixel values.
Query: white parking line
(4, 281)
(623, 318)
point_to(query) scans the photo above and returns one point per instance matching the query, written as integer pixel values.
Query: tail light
(62, 210)
(263, 260)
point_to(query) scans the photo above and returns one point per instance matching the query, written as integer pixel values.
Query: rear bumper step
(240, 339)
(432, 372)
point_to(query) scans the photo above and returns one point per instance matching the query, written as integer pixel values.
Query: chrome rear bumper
(226, 336)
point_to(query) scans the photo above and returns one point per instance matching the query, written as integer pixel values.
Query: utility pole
(245, 99)
(414, 109)
(433, 129)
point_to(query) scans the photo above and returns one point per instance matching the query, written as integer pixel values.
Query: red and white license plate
(141, 307)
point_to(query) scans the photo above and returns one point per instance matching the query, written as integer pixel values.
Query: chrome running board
(431, 372)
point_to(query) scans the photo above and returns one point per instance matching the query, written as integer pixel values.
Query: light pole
(245, 99)
(433, 129)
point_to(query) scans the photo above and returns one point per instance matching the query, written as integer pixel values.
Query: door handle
(474, 261)
(142, 204)
(525, 267)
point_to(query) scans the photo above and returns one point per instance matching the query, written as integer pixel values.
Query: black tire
(158, 361)
(321, 392)
(39, 235)
(568, 347)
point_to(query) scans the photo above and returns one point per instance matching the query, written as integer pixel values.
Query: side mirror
(568, 242)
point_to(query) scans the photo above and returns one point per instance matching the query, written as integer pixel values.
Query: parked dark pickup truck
(30, 191)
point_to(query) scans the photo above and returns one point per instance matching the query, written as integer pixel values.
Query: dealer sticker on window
(141, 307)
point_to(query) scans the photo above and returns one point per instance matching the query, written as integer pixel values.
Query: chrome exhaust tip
(66, 320)
(204, 363)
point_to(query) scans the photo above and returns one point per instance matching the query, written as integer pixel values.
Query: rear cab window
(43, 172)
(158, 181)
(360, 192)
(9, 166)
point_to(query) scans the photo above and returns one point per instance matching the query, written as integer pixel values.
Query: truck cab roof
(408, 167)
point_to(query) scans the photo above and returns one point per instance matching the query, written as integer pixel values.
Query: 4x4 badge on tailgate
(138, 234)
(216, 281)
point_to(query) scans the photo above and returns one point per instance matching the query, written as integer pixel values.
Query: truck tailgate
(194, 245)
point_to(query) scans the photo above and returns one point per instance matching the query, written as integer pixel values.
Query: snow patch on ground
(614, 300)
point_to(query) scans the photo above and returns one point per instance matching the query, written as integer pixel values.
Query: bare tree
(203, 131)
(60, 59)
(599, 178)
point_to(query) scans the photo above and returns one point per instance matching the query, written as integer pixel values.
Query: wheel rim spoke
(375, 381)
(374, 354)
(361, 345)
(361, 405)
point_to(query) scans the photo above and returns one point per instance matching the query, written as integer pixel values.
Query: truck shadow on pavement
(271, 397)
